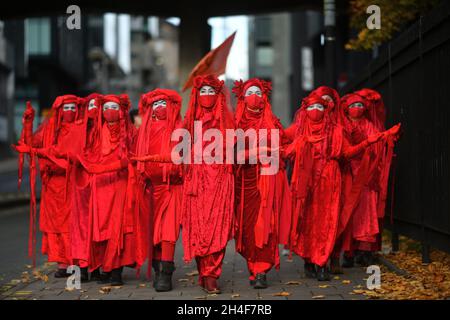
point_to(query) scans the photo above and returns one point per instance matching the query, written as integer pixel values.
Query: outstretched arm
(349, 151)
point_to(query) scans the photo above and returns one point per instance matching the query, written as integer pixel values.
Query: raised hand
(28, 114)
(394, 130)
(21, 148)
(375, 137)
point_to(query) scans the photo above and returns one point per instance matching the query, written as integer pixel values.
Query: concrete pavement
(287, 284)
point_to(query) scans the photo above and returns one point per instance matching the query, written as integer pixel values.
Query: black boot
(62, 273)
(359, 258)
(260, 281)
(105, 278)
(116, 277)
(348, 262)
(156, 264)
(323, 274)
(335, 267)
(84, 275)
(95, 275)
(368, 258)
(165, 277)
(310, 270)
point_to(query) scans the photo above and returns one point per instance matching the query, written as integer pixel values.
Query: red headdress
(239, 90)
(222, 113)
(55, 115)
(173, 105)
(301, 116)
(375, 106)
(346, 102)
(125, 126)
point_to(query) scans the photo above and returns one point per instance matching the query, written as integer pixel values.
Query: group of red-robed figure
(112, 197)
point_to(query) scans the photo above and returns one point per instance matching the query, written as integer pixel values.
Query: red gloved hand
(21, 148)
(374, 137)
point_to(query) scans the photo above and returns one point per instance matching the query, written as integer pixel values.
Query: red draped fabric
(114, 230)
(316, 184)
(79, 225)
(208, 189)
(165, 178)
(365, 178)
(263, 202)
(57, 138)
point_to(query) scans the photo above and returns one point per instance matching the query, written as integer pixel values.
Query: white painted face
(69, 107)
(111, 105)
(207, 91)
(356, 105)
(253, 90)
(327, 98)
(92, 104)
(159, 103)
(314, 106)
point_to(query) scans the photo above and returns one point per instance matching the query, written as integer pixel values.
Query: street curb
(392, 266)
(44, 269)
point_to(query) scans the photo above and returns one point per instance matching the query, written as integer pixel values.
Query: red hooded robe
(263, 202)
(208, 189)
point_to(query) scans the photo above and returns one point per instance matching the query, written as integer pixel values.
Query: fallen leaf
(201, 298)
(22, 293)
(346, 282)
(293, 283)
(318, 297)
(336, 278)
(323, 286)
(281, 294)
(104, 290)
(235, 295)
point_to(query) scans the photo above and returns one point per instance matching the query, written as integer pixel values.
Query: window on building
(38, 36)
(264, 56)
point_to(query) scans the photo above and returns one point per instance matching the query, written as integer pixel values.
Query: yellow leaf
(318, 297)
(281, 294)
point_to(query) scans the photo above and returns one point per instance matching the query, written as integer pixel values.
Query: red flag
(215, 62)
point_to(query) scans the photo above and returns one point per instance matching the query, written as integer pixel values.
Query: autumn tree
(394, 16)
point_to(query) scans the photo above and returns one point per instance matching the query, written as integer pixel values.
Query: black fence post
(425, 247)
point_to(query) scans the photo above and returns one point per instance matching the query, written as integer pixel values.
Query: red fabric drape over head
(173, 106)
(377, 110)
(334, 107)
(222, 113)
(239, 90)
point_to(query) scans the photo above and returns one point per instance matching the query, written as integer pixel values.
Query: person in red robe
(113, 233)
(365, 180)
(57, 138)
(82, 191)
(208, 189)
(316, 183)
(328, 94)
(160, 111)
(263, 202)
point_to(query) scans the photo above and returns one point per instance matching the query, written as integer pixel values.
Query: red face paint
(68, 116)
(160, 113)
(111, 115)
(315, 115)
(207, 101)
(253, 101)
(356, 113)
